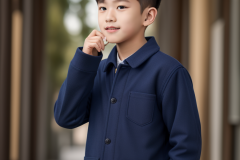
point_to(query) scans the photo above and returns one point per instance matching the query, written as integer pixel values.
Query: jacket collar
(141, 55)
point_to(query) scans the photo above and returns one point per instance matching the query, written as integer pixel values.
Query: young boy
(139, 102)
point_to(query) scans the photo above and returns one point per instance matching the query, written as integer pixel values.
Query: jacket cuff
(86, 62)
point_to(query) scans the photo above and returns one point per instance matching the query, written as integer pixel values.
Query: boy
(139, 102)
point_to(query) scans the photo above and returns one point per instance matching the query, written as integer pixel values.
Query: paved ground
(72, 153)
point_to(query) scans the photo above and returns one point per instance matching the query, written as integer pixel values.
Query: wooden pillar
(234, 74)
(227, 147)
(15, 80)
(38, 106)
(5, 77)
(26, 95)
(199, 63)
(169, 28)
(33, 110)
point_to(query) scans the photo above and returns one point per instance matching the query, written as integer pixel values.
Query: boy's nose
(110, 16)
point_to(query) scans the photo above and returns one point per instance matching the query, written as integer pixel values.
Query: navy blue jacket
(145, 111)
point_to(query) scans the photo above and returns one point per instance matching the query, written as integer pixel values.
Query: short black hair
(144, 4)
(149, 3)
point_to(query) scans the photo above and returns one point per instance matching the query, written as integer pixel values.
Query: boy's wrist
(96, 54)
(86, 62)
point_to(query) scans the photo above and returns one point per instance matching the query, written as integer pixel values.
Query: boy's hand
(94, 43)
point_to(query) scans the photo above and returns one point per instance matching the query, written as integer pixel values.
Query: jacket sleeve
(181, 117)
(72, 107)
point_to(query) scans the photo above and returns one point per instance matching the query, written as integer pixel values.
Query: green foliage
(61, 46)
(85, 30)
(57, 39)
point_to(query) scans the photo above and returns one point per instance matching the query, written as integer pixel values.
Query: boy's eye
(117, 7)
(101, 7)
(122, 6)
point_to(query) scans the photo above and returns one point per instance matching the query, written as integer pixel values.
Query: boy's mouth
(112, 28)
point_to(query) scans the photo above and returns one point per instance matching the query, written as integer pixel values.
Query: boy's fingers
(99, 39)
(97, 47)
(95, 33)
(102, 43)
(99, 34)
(94, 45)
(100, 46)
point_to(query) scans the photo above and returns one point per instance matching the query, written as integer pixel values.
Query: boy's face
(123, 14)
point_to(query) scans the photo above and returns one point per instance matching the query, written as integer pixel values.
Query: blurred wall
(22, 79)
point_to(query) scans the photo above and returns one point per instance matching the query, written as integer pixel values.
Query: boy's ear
(149, 15)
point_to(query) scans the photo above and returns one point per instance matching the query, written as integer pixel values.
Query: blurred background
(38, 39)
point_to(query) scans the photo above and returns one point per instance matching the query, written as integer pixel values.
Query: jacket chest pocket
(140, 107)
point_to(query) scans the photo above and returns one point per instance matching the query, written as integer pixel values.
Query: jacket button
(113, 100)
(107, 141)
